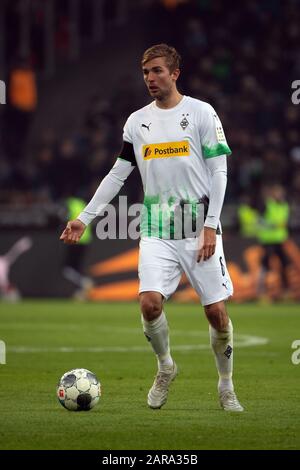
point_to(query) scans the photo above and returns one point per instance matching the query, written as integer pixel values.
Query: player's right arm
(109, 187)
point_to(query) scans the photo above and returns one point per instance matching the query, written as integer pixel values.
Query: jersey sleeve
(127, 151)
(213, 140)
(107, 190)
(127, 130)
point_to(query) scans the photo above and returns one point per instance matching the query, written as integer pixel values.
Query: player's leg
(156, 330)
(212, 282)
(221, 340)
(155, 327)
(159, 274)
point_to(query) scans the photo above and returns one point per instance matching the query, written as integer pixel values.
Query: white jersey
(171, 147)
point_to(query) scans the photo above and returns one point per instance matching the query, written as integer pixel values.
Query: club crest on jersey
(184, 122)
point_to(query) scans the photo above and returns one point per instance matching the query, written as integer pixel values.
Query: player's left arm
(214, 150)
(218, 169)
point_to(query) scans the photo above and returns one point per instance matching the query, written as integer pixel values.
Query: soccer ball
(79, 390)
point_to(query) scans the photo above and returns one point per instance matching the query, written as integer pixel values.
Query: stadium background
(60, 139)
(84, 58)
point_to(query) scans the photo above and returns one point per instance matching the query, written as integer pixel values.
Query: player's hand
(73, 232)
(207, 244)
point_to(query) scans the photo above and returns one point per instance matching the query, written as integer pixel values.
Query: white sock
(157, 333)
(222, 346)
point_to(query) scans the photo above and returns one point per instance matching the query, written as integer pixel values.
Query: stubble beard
(163, 95)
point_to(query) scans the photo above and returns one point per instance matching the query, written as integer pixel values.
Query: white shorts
(162, 262)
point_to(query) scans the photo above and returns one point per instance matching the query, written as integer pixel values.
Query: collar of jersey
(167, 112)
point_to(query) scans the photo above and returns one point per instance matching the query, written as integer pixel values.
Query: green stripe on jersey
(215, 150)
(162, 220)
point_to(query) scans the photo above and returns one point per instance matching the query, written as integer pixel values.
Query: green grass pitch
(44, 339)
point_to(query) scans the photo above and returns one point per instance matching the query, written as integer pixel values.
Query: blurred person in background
(248, 217)
(8, 291)
(272, 233)
(22, 103)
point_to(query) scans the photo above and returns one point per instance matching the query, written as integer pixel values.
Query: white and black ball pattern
(79, 390)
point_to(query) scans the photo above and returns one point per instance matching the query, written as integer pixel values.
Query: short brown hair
(172, 57)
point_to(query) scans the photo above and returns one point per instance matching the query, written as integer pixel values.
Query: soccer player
(178, 144)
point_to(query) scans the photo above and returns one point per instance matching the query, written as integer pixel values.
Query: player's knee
(151, 305)
(217, 316)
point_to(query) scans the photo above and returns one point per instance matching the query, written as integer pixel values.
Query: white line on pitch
(242, 341)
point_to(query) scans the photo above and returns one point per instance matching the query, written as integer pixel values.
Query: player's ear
(175, 74)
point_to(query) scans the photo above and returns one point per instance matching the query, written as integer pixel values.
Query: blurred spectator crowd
(241, 59)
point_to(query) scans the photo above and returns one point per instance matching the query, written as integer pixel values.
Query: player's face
(158, 78)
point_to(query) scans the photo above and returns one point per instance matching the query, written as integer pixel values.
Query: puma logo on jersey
(166, 150)
(147, 127)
